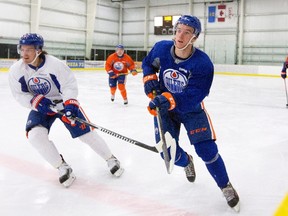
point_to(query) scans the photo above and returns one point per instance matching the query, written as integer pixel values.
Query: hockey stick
(166, 137)
(166, 141)
(156, 149)
(286, 92)
(119, 74)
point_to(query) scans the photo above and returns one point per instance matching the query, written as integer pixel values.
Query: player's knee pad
(38, 138)
(89, 138)
(121, 86)
(181, 158)
(207, 151)
(37, 135)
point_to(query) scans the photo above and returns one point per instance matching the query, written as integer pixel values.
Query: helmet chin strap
(189, 42)
(37, 55)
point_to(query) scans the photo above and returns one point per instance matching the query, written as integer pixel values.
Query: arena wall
(223, 69)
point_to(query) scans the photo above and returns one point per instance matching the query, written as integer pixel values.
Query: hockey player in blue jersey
(185, 75)
(45, 85)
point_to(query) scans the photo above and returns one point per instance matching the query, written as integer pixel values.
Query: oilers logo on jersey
(39, 85)
(174, 80)
(118, 66)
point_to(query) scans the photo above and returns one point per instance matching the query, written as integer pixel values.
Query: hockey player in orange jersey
(117, 66)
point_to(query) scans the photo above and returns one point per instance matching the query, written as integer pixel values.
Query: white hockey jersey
(53, 79)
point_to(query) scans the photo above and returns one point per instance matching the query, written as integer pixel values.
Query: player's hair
(43, 53)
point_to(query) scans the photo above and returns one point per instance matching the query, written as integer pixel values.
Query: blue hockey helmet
(120, 46)
(32, 39)
(191, 21)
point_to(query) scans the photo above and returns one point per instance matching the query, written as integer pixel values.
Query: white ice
(250, 119)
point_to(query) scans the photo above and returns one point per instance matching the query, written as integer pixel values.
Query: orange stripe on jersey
(210, 122)
(86, 117)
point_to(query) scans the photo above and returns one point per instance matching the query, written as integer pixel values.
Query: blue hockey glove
(151, 84)
(111, 74)
(42, 104)
(71, 108)
(164, 102)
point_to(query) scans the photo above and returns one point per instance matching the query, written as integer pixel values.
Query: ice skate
(231, 196)
(66, 174)
(114, 166)
(190, 170)
(125, 101)
(112, 98)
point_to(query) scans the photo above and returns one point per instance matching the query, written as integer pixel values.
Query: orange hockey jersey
(119, 65)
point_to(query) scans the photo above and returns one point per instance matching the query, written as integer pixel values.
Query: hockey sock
(97, 144)
(123, 91)
(112, 90)
(181, 158)
(38, 137)
(208, 151)
(217, 169)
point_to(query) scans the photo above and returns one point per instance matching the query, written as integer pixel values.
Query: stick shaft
(286, 91)
(164, 146)
(117, 135)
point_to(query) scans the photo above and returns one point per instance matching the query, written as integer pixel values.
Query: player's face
(28, 53)
(183, 35)
(119, 51)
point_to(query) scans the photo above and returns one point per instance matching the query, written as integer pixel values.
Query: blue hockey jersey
(188, 80)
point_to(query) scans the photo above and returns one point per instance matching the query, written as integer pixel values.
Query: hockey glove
(165, 102)
(71, 109)
(42, 104)
(134, 72)
(112, 75)
(283, 74)
(151, 84)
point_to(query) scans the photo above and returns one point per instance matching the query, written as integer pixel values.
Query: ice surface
(251, 121)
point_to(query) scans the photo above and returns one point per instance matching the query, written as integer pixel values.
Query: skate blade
(69, 181)
(237, 207)
(119, 172)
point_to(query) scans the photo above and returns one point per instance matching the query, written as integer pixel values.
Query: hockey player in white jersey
(46, 85)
